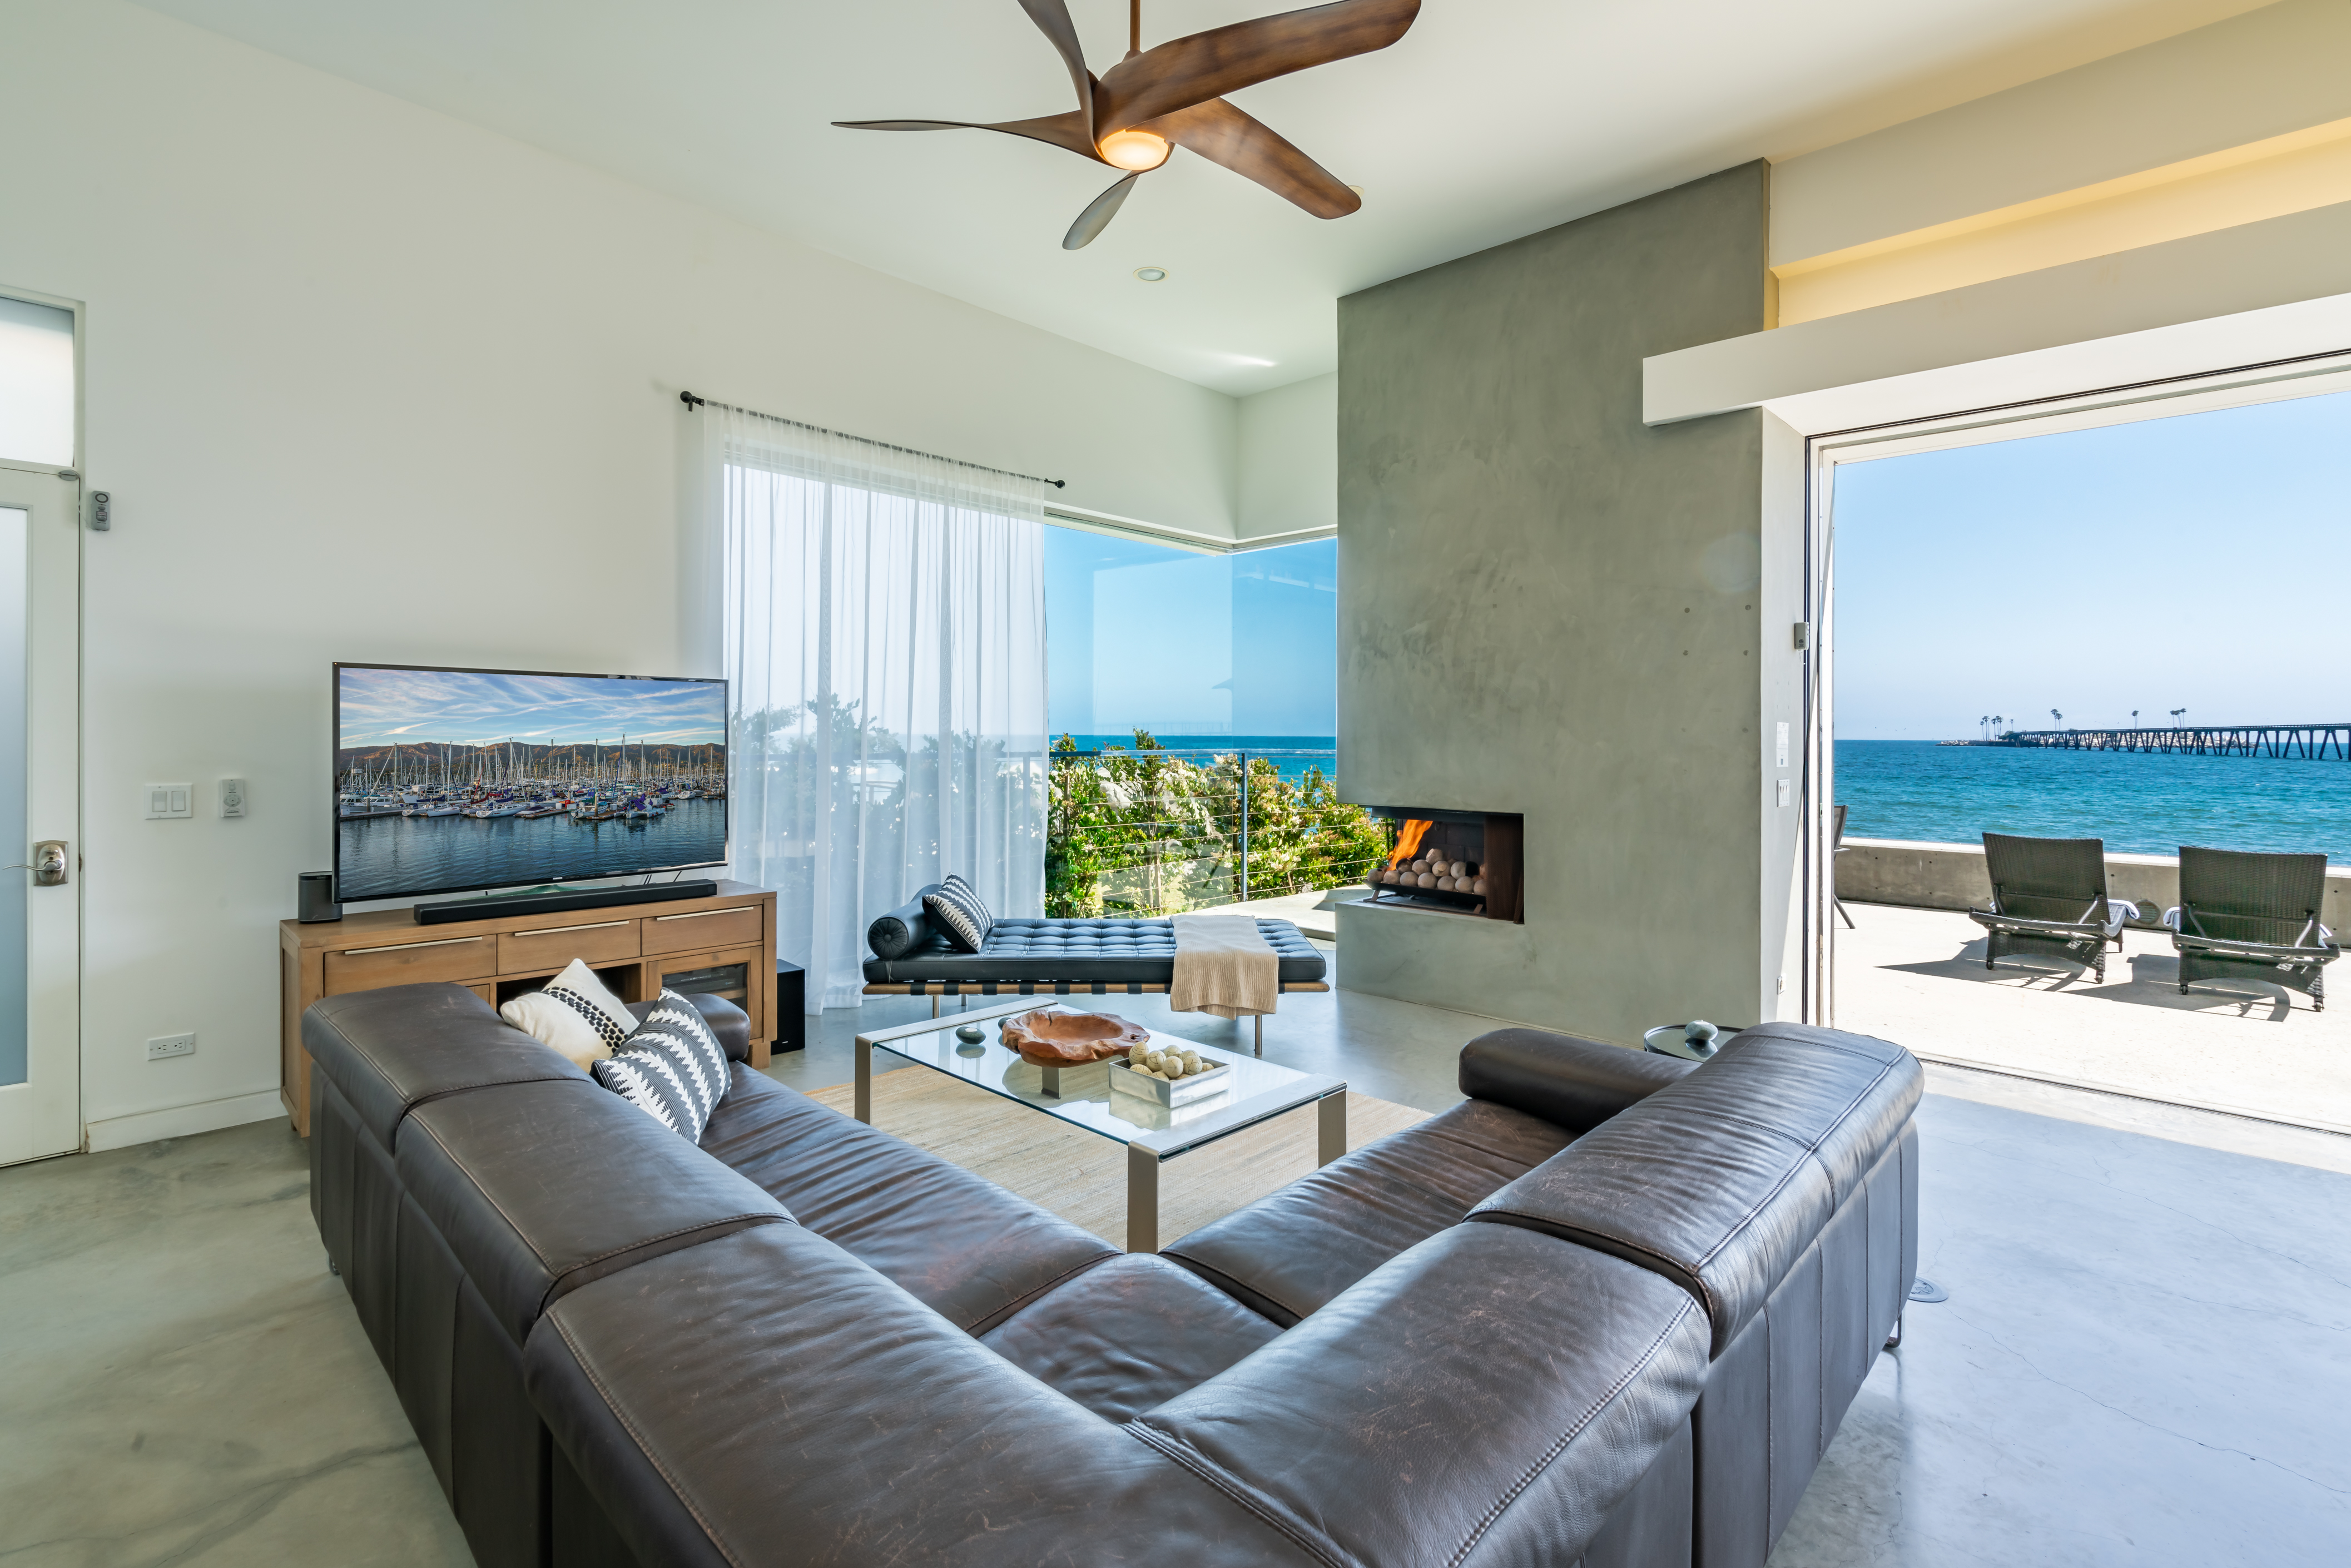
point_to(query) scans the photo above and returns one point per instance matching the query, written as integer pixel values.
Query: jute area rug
(1081, 1175)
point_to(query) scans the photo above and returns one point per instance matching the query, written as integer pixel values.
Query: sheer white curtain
(885, 643)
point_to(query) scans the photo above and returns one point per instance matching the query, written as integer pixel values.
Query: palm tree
(2177, 711)
(2056, 716)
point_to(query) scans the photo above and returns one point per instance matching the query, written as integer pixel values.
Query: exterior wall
(1546, 608)
(1953, 876)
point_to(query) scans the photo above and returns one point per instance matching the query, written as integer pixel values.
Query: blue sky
(1184, 643)
(2197, 561)
(464, 708)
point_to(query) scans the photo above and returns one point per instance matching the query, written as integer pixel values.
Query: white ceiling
(1493, 119)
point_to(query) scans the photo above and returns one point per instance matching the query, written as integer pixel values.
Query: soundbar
(556, 903)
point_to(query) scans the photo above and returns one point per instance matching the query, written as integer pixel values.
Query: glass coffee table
(1255, 1090)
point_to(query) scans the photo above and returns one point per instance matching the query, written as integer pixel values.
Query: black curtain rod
(691, 400)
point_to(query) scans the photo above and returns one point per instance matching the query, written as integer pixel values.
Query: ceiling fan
(1172, 94)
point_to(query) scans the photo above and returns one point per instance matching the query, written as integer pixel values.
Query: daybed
(1606, 1311)
(1057, 957)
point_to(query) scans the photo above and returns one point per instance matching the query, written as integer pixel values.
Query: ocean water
(383, 857)
(2139, 803)
(1304, 750)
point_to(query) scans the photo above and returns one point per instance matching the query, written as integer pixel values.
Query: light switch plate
(170, 800)
(1783, 791)
(231, 797)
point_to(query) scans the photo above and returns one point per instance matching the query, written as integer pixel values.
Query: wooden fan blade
(1223, 134)
(1067, 130)
(1183, 72)
(1053, 19)
(1098, 215)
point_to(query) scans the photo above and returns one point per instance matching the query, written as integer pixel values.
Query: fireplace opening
(1453, 863)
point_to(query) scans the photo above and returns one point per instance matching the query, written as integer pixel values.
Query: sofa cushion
(1722, 1180)
(1131, 1334)
(796, 1408)
(1471, 1401)
(540, 1188)
(958, 1242)
(1293, 1250)
(1112, 952)
(390, 1050)
(1571, 1083)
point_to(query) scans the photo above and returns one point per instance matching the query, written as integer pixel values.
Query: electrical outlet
(165, 1045)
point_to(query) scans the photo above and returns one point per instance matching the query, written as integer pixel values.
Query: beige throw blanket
(1223, 967)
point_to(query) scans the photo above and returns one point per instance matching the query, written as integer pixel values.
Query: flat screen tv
(452, 780)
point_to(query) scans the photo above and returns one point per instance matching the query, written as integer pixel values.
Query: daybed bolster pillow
(904, 929)
(727, 1022)
(1569, 1082)
(1721, 1181)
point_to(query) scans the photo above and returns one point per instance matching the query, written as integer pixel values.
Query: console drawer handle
(404, 946)
(702, 913)
(559, 930)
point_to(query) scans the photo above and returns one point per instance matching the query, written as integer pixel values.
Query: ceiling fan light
(1135, 150)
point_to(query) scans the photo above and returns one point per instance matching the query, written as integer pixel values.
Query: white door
(40, 751)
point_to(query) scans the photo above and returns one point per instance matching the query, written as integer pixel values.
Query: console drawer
(700, 930)
(409, 963)
(557, 943)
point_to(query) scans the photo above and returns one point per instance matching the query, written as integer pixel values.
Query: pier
(2295, 740)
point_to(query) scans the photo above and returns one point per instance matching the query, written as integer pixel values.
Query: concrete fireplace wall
(1546, 607)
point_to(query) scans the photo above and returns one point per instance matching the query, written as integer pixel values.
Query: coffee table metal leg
(1141, 1199)
(864, 1100)
(1329, 1127)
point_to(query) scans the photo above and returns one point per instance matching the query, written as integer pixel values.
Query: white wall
(367, 383)
(2278, 69)
(1290, 458)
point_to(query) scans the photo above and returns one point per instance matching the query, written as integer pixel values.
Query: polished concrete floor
(2145, 1357)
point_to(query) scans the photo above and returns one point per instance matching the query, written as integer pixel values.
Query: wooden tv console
(634, 948)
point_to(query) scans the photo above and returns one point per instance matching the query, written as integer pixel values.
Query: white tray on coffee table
(1256, 1091)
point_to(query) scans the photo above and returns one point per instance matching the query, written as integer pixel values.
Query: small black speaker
(315, 898)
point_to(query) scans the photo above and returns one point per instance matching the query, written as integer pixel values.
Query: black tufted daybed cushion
(1057, 956)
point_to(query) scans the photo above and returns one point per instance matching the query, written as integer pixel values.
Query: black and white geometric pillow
(959, 913)
(613, 1036)
(672, 1068)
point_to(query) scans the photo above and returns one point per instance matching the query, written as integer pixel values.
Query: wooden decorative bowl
(1070, 1040)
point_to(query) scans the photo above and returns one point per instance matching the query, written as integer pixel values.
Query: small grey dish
(1126, 1080)
(1697, 1041)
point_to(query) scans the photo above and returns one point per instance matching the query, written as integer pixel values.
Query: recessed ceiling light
(1151, 274)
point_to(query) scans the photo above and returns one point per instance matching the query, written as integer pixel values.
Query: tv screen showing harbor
(455, 780)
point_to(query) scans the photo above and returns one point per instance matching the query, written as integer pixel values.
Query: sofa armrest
(730, 1023)
(904, 929)
(1569, 1082)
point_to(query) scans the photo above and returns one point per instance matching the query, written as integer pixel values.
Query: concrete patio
(1917, 975)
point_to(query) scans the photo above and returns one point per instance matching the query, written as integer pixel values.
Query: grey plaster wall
(1547, 607)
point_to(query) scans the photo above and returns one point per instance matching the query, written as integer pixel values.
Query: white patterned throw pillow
(672, 1068)
(958, 911)
(574, 1015)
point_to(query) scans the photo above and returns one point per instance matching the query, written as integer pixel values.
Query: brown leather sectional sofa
(1608, 1311)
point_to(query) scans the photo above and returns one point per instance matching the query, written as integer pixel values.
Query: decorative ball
(1192, 1062)
(1477, 884)
(1460, 870)
(971, 1034)
(1428, 878)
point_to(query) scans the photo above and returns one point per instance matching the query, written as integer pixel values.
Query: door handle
(47, 866)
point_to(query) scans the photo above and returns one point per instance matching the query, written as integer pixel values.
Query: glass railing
(1155, 831)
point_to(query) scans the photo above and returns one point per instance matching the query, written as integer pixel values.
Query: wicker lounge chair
(2252, 918)
(2049, 895)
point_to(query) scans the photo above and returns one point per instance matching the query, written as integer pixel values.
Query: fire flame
(1408, 841)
